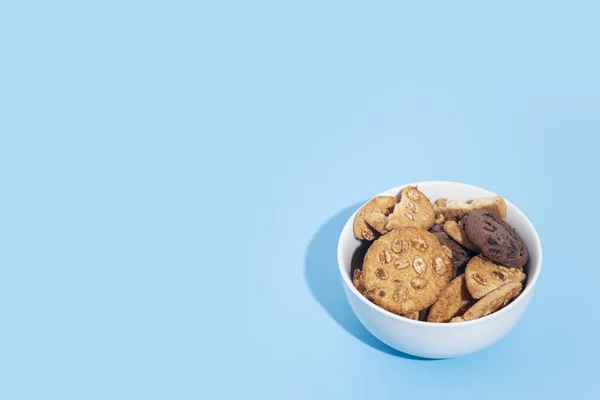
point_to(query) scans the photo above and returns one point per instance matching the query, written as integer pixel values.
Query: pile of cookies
(451, 261)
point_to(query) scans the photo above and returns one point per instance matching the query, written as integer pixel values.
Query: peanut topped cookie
(380, 205)
(496, 239)
(453, 301)
(493, 301)
(414, 209)
(405, 270)
(484, 276)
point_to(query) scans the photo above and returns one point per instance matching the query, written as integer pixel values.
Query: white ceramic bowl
(441, 340)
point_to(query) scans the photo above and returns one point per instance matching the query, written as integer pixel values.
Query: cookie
(357, 280)
(414, 209)
(496, 239)
(484, 276)
(406, 270)
(460, 256)
(377, 220)
(456, 232)
(453, 301)
(413, 315)
(454, 209)
(379, 204)
(493, 301)
(457, 319)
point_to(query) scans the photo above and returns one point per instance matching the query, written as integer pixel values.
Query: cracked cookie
(414, 209)
(454, 209)
(380, 205)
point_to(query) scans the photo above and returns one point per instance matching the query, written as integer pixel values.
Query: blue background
(175, 175)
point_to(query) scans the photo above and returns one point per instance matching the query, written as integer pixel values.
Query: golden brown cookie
(380, 204)
(413, 315)
(453, 301)
(406, 270)
(456, 232)
(357, 280)
(453, 209)
(457, 319)
(484, 276)
(493, 301)
(377, 220)
(414, 209)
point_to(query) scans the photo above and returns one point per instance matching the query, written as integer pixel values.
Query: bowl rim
(444, 325)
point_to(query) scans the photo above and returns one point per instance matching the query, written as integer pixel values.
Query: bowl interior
(351, 251)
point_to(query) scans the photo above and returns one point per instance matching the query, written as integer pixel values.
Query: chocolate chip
(489, 226)
(513, 247)
(492, 241)
(495, 251)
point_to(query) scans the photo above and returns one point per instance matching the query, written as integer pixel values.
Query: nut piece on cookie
(457, 233)
(493, 301)
(484, 276)
(496, 239)
(405, 270)
(457, 319)
(381, 204)
(453, 301)
(414, 209)
(453, 209)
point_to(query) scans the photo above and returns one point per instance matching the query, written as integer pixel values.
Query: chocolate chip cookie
(496, 239)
